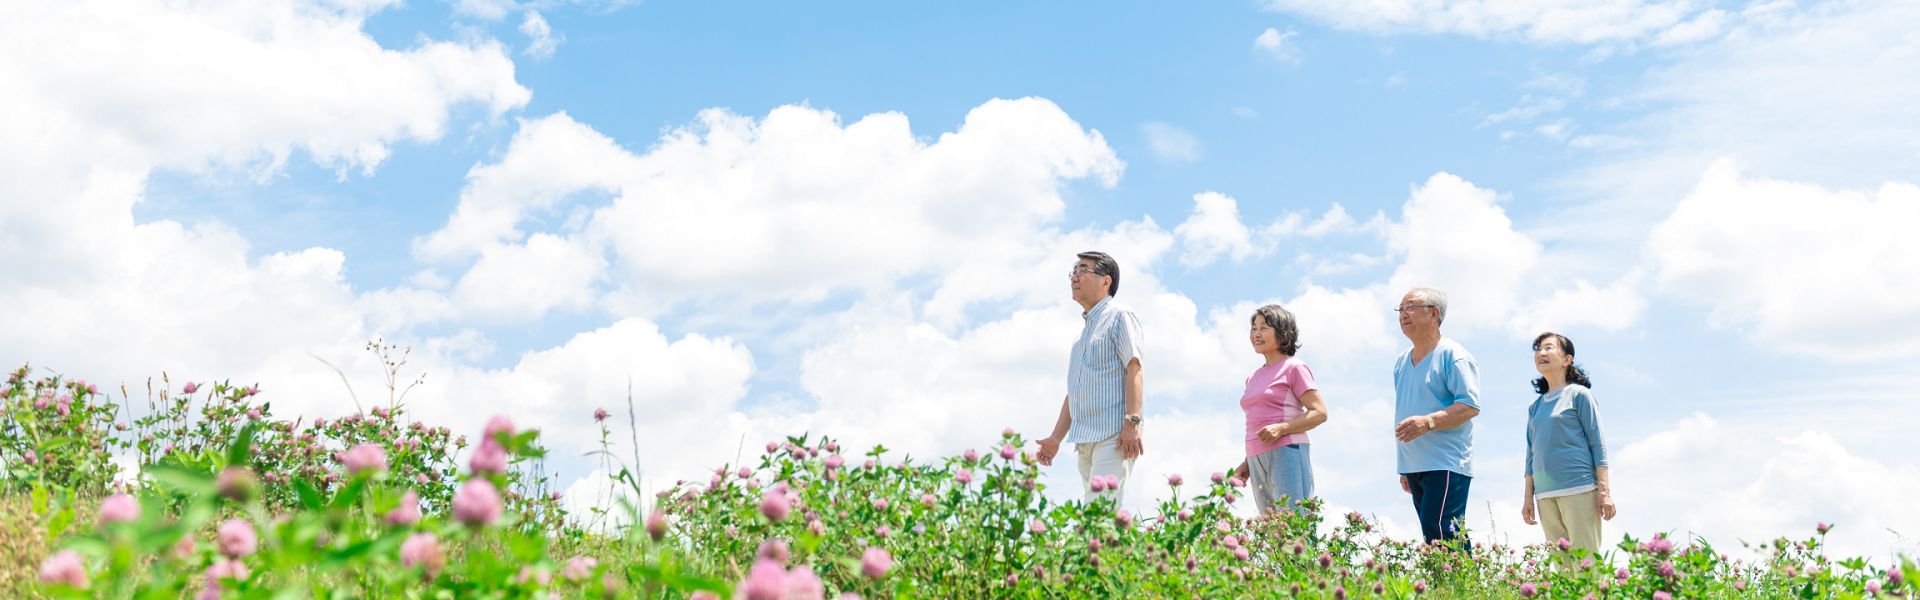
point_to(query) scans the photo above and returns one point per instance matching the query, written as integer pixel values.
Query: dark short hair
(1286, 331)
(1104, 265)
(1575, 374)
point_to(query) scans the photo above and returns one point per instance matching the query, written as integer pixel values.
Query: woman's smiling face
(1550, 357)
(1262, 336)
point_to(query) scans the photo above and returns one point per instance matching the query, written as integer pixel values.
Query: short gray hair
(1436, 298)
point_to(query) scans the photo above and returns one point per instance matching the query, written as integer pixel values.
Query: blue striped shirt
(1096, 375)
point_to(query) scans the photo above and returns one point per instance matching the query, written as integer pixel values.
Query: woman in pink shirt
(1281, 403)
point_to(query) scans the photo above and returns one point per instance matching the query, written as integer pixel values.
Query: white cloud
(490, 10)
(1558, 130)
(96, 110)
(1214, 229)
(1278, 45)
(1556, 21)
(1612, 308)
(1704, 26)
(1799, 267)
(796, 202)
(1456, 238)
(1601, 142)
(238, 84)
(1737, 482)
(1335, 221)
(1529, 108)
(549, 159)
(1843, 122)
(523, 282)
(1171, 144)
(541, 42)
(683, 390)
(1851, 70)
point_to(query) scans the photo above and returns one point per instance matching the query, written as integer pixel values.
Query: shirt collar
(1096, 307)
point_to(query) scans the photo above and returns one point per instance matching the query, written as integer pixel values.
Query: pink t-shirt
(1272, 396)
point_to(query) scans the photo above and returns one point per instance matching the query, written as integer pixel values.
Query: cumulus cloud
(674, 384)
(1455, 237)
(522, 282)
(1736, 482)
(240, 84)
(1798, 267)
(95, 111)
(796, 201)
(245, 86)
(1214, 230)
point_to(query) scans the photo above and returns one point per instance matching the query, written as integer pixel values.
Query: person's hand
(1270, 433)
(1526, 513)
(1241, 471)
(1405, 486)
(1603, 501)
(1048, 448)
(1411, 428)
(1130, 444)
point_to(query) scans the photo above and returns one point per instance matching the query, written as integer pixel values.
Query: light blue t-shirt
(1564, 445)
(1446, 376)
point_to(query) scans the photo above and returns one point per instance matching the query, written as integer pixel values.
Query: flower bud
(237, 483)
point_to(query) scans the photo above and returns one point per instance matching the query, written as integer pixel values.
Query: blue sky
(851, 218)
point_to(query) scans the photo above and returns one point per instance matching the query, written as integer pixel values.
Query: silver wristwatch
(1135, 419)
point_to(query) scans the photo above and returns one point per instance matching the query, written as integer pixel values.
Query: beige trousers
(1103, 458)
(1573, 518)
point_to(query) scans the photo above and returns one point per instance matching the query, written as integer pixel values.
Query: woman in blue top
(1566, 455)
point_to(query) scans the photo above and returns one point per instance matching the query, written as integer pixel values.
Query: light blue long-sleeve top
(1564, 444)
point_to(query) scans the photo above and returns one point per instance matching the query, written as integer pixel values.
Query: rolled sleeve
(1127, 342)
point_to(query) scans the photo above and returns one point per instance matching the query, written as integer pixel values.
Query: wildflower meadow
(233, 501)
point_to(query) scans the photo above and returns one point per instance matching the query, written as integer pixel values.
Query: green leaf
(350, 493)
(309, 497)
(242, 449)
(39, 500)
(61, 519)
(180, 480)
(89, 546)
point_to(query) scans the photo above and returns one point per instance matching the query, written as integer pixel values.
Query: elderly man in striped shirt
(1101, 415)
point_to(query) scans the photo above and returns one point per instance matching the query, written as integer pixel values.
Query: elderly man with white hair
(1436, 387)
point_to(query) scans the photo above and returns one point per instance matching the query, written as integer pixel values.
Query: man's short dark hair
(1104, 265)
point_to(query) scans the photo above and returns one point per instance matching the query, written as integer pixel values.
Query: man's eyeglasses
(1411, 307)
(1080, 270)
